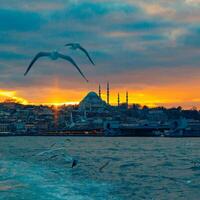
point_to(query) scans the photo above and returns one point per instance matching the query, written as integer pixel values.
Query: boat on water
(135, 130)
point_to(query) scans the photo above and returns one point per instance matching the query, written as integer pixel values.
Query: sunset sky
(149, 48)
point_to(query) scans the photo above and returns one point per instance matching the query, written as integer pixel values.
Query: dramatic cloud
(157, 9)
(12, 20)
(125, 37)
(193, 2)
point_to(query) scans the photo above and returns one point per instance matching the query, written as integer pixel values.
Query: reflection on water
(107, 168)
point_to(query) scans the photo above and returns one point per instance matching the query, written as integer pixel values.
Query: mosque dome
(92, 100)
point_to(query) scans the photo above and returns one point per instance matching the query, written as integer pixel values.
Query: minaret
(127, 99)
(108, 93)
(118, 100)
(71, 118)
(99, 90)
(85, 114)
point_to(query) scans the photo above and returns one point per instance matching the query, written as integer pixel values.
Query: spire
(127, 99)
(108, 93)
(99, 90)
(71, 118)
(118, 100)
(85, 114)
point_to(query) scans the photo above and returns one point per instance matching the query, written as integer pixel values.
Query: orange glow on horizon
(151, 87)
(11, 95)
(150, 97)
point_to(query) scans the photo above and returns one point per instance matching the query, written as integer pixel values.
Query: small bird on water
(54, 55)
(74, 163)
(76, 46)
(103, 166)
(52, 154)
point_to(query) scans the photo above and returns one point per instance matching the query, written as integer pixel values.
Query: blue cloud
(144, 25)
(191, 39)
(89, 10)
(151, 37)
(86, 10)
(13, 20)
(117, 33)
(11, 55)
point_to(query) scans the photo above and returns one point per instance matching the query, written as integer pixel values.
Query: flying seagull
(75, 46)
(54, 55)
(50, 151)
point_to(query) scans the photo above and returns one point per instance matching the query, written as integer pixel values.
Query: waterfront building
(156, 115)
(5, 127)
(31, 127)
(19, 126)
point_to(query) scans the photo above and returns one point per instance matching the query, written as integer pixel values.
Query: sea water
(107, 168)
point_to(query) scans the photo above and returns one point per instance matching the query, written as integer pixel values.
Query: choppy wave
(135, 168)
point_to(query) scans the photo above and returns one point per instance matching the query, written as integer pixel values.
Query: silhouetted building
(127, 99)
(99, 91)
(118, 100)
(108, 93)
(92, 102)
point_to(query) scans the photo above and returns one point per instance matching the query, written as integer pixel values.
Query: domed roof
(92, 95)
(92, 99)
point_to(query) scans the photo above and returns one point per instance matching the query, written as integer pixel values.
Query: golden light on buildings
(12, 95)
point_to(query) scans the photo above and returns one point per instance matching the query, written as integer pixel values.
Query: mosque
(93, 101)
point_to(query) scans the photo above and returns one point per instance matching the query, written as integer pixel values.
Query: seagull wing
(86, 53)
(69, 45)
(39, 55)
(49, 151)
(105, 165)
(73, 62)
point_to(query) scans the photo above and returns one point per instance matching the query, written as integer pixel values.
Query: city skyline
(150, 49)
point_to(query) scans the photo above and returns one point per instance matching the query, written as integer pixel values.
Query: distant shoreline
(89, 135)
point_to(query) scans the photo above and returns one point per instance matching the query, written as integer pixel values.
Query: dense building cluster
(94, 116)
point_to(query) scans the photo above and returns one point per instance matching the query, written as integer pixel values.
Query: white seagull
(54, 55)
(49, 151)
(75, 46)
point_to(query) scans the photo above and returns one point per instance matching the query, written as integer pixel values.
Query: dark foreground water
(108, 168)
